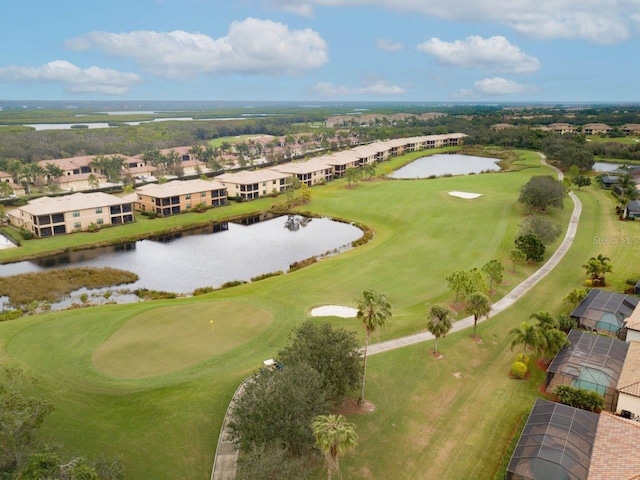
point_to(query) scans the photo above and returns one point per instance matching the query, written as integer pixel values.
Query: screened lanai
(556, 444)
(592, 362)
(604, 311)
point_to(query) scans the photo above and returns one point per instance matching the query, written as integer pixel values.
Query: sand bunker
(466, 195)
(334, 311)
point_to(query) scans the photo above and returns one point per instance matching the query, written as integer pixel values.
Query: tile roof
(67, 203)
(629, 381)
(251, 176)
(300, 167)
(615, 449)
(69, 163)
(178, 187)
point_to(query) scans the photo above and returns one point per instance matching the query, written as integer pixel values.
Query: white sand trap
(466, 195)
(334, 311)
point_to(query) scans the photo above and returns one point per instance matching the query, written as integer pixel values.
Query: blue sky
(321, 50)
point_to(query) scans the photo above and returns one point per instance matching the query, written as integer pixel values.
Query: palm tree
(545, 320)
(479, 306)
(373, 311)
(334, 437)
(575, 296)
(53, 172)
(439, 322)
(597, 267)
(551, 342)
(526, 335)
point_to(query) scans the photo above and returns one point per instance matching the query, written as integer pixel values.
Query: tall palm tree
(575, 296)
(439, 322)
(53, 172)
(545, 320)
(373, 312)
(479, 306)
(334, 437)
(597, 268)
(526, 335)
(551, 342)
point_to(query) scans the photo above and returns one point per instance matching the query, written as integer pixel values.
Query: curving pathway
(225, 461)
(511, 297)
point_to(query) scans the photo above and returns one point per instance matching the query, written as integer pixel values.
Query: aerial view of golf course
(150, 382)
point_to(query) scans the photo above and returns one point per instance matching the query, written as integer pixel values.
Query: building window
(77, 225)
(100, 221)
(76, 213)
(187, 196)
(203, 194)
(99, 210)
(188, 206)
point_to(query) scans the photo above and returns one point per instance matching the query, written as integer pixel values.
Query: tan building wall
(628, 402)
(180, 196)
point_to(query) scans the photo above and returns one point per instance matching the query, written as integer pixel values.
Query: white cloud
(388, 46)
(600, 21)
(73, 78)
(251, 46)
(376, 87)
(496, 86)
(494, 54)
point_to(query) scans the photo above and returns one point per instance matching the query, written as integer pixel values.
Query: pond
(443, 164)
(606, 167)
(208, 257)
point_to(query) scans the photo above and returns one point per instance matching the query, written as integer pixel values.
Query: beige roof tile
(633, 320)
(629, 381)
(68, 203)
(251, 176)
(178, 187)
(615, 449)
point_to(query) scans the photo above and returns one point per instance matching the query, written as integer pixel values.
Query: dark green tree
(332, 352)
(531, 246)
(494, 270)
(439, 322)
(542, 192)
(479, 306)
(277, 407)
(545, 229)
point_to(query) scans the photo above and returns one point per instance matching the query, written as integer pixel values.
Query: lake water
(442, 164)
(185, 261)
(606, 167)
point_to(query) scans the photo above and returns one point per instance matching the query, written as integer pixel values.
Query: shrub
(26, 234)
(232, 283)
(147, 294)
(266, 275)
(518, 370)
(203, 290)
(579, 398)
(523, 358)
(632, 281)
(10, 315)
(93, 227)
(302, 263)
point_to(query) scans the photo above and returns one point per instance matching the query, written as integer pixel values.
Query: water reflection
(444, 164)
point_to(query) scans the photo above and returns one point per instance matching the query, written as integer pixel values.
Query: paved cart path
(225, 462)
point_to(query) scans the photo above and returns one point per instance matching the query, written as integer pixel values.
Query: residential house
(632, 322)
(73, 165)
(604, 311)
(501, 126)
(18, 190)
(561, 128)
(596, 129)
(631, 128)
(629, 382)
(559, 442)
(632, 210)
(591, 362)
(252, 184)
(308, 172)
(609, 181)
(180, 196)
(49, 216)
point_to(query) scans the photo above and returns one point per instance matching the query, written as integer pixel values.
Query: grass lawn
(162, 410)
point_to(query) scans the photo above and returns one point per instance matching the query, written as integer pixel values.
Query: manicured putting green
(169, 339)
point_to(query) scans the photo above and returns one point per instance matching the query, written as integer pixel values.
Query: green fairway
(169, 339)
(629, 140)
(149, 382)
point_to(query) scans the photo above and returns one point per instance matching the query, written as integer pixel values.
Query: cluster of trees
(282, 412)
(470, 285)
(597, 268)
(546, 338)
(579, 398)
(22, 453)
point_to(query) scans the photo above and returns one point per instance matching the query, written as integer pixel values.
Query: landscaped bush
(302, 263)
(203, 290)
(26, 234)
(518, 370)
(632, 281)
(11, 315)
(523, 357)
(147, 294)
(266, 275)
(579, 398)
(232, 283)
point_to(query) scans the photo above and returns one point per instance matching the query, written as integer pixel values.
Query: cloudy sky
(321, 50)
